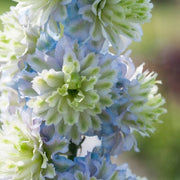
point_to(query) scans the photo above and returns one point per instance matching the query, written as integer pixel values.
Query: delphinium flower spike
(61, 62)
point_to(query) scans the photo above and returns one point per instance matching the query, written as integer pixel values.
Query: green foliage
(162, 31)
(161, 152)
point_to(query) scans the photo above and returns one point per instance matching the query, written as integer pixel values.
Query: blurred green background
(159, 158)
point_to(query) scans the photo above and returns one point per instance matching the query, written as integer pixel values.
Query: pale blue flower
(94, 167)
(69, 87)
(76, 28)
(143, 105)
(115, 139)
(137, 107)
(53, 143)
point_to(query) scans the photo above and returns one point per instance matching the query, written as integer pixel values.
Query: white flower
(39, 11)
(21, 151)
(116, 20)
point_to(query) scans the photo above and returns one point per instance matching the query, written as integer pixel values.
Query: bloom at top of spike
(114, 20)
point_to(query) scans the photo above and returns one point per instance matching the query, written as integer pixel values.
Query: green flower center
(74, 85)
(72, 92)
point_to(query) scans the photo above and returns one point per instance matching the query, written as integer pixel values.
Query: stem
(73, 148)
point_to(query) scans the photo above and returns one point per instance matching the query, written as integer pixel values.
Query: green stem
(73, 148)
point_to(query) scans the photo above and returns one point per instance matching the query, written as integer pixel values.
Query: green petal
(52, 116)
(88, 61)
(49, 172)
(96, 31)
(40, 85)
(88, 84)
(84, 122)
(62, 127)
(53, 99)
(71, 117)
(74, 134)
(115, 176)
(96, 122)
(54, 79)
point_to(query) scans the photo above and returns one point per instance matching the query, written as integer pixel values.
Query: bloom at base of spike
(93, 167)
(115, 139)
(53, 143)
(21, 150)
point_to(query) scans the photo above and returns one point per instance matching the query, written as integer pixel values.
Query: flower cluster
(94, 167)
(40, 11)
(70, 88)
(61, 85)
(113, 20)
(22, 154)
(17, 39)
(137, 107)
(144, 103)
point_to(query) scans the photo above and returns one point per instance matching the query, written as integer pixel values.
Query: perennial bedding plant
(61, 85)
